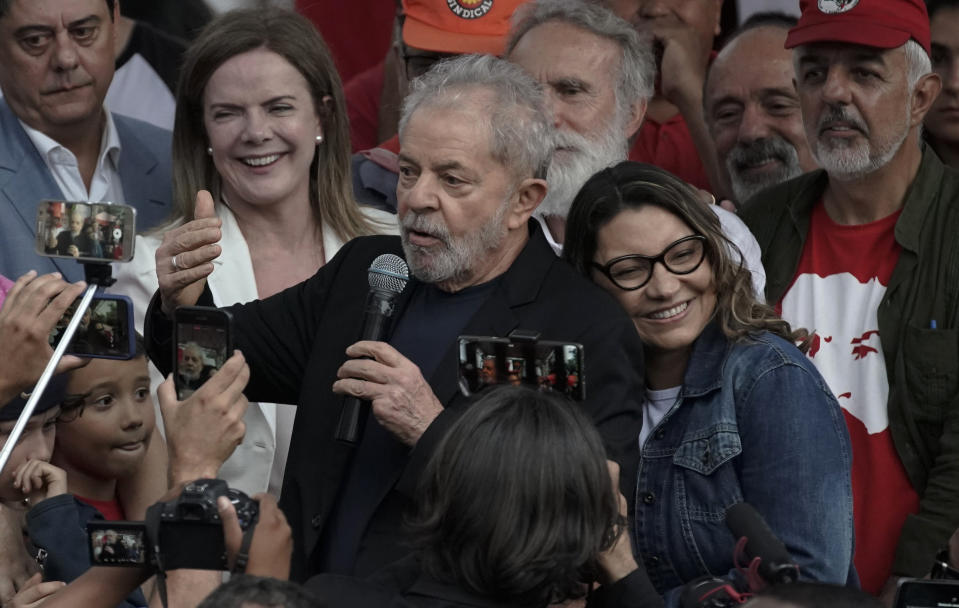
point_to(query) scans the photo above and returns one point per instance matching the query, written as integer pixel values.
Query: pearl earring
(319, 139)
(209, 150)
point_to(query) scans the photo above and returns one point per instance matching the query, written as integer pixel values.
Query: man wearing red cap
(863, 253)
(425, 31)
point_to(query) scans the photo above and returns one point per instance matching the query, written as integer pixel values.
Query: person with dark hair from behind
(259, 592)
(942, 121)
(813, 595)
(516, 507)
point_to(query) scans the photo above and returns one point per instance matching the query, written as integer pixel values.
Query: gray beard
(846, 162)
(456, 260)
(584, 158)
(754, 153)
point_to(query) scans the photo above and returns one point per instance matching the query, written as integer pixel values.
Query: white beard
(581, 159)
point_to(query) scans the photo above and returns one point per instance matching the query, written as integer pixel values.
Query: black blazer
(296, 340)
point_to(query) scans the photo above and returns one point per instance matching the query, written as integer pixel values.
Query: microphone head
(388, 273)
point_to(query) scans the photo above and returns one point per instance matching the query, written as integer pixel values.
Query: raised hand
(30, 312)
(40, 480)
(185, 257)
(204, 429)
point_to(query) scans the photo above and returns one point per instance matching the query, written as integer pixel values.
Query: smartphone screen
(88, 232)
(546, 365)
(928, 594)
(105, 331)
(203, 344)
(117, 543)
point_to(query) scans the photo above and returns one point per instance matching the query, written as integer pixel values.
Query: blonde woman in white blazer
(261, 124)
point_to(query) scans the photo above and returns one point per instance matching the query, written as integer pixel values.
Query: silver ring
(175, 265)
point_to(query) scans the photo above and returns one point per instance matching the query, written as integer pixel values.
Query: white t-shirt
(656, 405)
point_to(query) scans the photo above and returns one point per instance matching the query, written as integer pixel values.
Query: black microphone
(775, 565)
(388, 275)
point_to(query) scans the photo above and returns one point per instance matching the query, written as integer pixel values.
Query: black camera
(183, 533)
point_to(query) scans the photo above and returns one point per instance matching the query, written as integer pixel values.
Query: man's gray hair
(521, 136)
(918, 63)
(637, 69)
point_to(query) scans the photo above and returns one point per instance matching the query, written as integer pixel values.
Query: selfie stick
(96, 275)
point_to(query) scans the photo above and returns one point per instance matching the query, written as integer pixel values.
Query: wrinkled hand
(617, 561)
(33, 593)
(204, 429)
(402, 401)
(195, 248)
(72, 250)
(272, 545)
(40, 480)
(30, 312)
(683, 67)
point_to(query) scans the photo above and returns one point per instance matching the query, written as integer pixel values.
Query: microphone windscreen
(388, 272)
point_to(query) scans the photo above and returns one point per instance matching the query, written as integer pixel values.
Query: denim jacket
(755, 423)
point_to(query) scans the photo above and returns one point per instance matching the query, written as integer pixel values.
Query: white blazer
(258, 462)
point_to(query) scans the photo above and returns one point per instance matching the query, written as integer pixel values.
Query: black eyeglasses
(630, 272)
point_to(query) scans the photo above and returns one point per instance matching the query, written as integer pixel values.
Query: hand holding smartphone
(204, 341)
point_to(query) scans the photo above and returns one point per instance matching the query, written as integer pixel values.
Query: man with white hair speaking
(598, 76)
(864, 254)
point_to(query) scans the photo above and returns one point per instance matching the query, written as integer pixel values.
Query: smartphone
(546, 365)
(117, 543)
(918, 593)
(86, 232)
(105, 332)
(204, 341)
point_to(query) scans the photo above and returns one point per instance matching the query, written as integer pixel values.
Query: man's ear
(923, 96)
(116, 11)
(637, 115)
(529, 194)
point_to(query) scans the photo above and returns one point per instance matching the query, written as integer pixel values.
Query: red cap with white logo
(884, 24)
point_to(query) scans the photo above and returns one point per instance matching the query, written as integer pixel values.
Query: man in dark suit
(475, 147)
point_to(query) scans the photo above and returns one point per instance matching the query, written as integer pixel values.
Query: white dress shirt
(105, 185)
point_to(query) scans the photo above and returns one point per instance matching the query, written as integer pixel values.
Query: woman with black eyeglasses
(734, 412)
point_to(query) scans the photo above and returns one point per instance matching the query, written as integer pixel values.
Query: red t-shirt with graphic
(842, 277)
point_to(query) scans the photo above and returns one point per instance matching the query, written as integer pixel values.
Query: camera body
(185, 532)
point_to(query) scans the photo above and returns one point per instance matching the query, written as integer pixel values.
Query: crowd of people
(749, 243)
